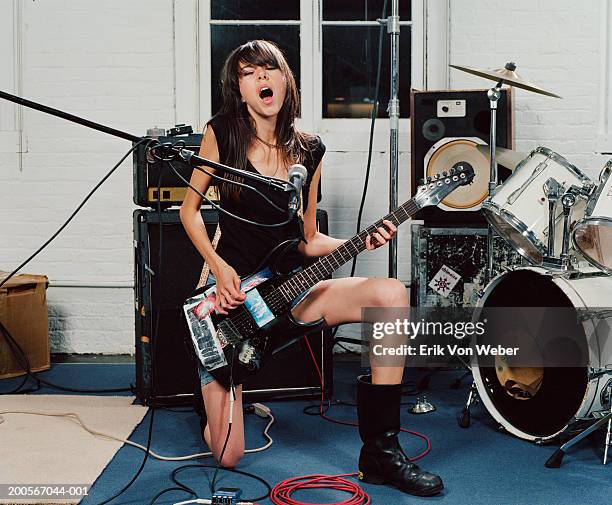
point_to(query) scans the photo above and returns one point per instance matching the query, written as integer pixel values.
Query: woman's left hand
(381, 237)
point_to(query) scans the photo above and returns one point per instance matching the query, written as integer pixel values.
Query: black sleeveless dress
(243, 246)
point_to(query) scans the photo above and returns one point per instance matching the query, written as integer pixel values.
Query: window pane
(226, 38)
(362, 10)
(349, 71)
(255, 9)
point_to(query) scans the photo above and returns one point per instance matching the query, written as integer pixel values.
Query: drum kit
(560, 221)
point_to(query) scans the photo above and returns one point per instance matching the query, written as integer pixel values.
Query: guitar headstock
(434, 189)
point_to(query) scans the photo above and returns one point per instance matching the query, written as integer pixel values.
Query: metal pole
(494, 94)
(393, 27)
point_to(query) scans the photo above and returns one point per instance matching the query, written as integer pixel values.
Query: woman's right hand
(229, 295)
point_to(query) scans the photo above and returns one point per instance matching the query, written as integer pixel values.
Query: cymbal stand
(494, 94)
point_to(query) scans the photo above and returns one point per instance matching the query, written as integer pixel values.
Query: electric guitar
(235, 346)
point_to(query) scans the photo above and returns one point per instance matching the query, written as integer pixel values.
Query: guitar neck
(326, 265)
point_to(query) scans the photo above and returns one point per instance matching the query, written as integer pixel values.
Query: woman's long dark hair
(293, 144)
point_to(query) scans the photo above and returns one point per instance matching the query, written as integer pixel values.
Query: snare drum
(539, 402)
(593, 234)
(518, 209)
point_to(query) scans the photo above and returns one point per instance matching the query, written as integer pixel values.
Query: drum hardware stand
(557, 457)
(464, 417)
(422, 406)
(494, 94)
(553, 191)
(568, 200)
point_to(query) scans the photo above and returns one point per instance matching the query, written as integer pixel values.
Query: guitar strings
(275, 299)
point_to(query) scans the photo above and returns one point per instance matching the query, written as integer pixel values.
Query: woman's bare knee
(231, 458)
(206, 434)
(389, 293)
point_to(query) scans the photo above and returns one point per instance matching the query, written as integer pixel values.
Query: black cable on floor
(231, 470)
(24, 363)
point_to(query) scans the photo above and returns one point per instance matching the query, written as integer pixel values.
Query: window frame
(360, 125)
(193, 51)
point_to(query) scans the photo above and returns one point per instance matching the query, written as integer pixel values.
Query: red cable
(281, 493)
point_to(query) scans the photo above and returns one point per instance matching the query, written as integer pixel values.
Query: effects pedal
(226, 496)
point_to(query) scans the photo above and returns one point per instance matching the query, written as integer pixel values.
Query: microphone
(297, 177)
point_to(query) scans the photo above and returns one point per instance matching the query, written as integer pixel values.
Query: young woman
(256, 131)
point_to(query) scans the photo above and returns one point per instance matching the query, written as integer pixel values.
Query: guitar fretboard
(326, 265)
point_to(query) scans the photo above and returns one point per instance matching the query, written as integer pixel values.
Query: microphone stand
(184, 154)
(393, 28)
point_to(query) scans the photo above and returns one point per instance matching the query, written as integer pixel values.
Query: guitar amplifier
(167, 270)
(153, 177)
(449, 265)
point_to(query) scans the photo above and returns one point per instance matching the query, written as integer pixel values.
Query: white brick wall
(112, 63)
(556, 45)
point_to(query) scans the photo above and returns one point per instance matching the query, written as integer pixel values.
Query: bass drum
(538, 403)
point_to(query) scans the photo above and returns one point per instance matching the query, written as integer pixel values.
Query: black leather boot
(382, 460)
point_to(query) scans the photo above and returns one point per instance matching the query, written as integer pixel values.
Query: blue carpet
(479, 465)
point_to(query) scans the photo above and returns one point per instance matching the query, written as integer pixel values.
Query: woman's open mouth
(266, 95)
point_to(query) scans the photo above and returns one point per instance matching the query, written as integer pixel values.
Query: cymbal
(505, 157)
(506, 75)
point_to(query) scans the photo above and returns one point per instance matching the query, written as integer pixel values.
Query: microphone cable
(370, 142)
(372, 123)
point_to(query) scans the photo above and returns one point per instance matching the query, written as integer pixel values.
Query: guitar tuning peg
(452, 171)
(421, 182)
(428, 179)
(437, 176)
(445, 173)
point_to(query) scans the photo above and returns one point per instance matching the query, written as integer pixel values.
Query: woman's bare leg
(381, 460)
(216, 402)
(340, 301)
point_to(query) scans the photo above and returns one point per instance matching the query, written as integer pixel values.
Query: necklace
(273, 146)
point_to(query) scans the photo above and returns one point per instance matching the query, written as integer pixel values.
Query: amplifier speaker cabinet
(446, 128)
(441, 255)
(167, 373)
